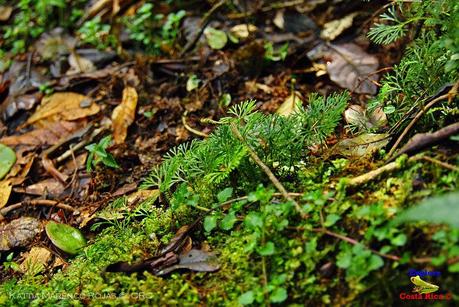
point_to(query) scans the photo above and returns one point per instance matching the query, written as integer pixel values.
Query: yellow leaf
(124, 114)
(290, 105)
(64, 106)
(5, 191)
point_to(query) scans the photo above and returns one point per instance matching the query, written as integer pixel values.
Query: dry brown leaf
(64, 106)
(52, 187)
(19, 171)
(79, 64)
(362, 145)
(352, 68)
(358, 116)
(290, 105)
(36, 260)
(243, 31)
(5, 12)
(124, 114)
(142, 195)
(334, 28)
(18, 232)
(48, 135)
(5, 191)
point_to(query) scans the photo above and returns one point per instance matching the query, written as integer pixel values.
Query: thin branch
(441, 163)
(362, 179)
(36, 202)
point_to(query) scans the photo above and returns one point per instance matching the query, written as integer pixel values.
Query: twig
(72, 149)
(441, 163)
(36, 202)
(266, 169)
(362, 179)
(202, 25)
(192, 130)
(451, 93)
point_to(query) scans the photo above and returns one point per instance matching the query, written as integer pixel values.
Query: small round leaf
(65, 237)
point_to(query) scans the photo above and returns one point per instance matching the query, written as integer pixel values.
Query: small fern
(389, 32)
(277, 139)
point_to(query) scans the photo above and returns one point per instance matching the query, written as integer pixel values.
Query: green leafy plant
(96, 33)
(150, 29)
(98, 153)
(9, 264)
(33, 18)
(275, 55)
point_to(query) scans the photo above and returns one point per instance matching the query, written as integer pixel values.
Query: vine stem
(266, 169)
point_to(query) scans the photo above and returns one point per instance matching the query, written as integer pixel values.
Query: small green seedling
(98, 153)
(422, 286)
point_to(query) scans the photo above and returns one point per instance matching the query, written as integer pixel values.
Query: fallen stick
(36, 202)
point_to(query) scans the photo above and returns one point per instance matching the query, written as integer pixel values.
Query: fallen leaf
(18, 232)
(5, 12)
(334, 28)
(194, 260)
(290, 105)
(48, 135)
(64, 106)
(442, 209)
(55, 43)
(216, 39)
(35, 260)
(79, 64)
(364, 144)
(357, 116)
(7, 159)
(65, 237)
(352, 68)
(13, 104)
(21, 168)
(243, 31)
(143, 195)
(51, 187)
(192, 83)
(5, 191)
(124, 114)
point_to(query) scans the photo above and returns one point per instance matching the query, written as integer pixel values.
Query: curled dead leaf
(124, 114)
(357, 116)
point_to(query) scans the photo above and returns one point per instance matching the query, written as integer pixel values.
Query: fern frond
(243, 109)
(387, 33)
